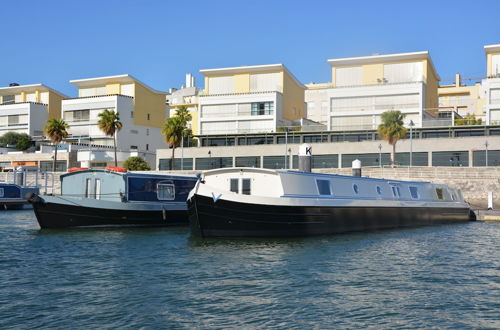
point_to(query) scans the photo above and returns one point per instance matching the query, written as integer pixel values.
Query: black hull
(234, 219)
(53, 215)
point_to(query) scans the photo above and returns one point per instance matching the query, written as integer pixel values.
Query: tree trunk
(173, 158)
(114, 144)
(393, 155)
(55, 159)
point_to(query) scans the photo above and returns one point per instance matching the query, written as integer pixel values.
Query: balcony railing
(376, 107)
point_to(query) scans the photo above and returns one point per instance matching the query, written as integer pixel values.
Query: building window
(323, 187)
(131, 114)
(233, 185)
(149, 116)
(133, 147)
(8, 99)
(147, 131)
(77, 115)
(262, 108)
(165, 191)
(147, 146)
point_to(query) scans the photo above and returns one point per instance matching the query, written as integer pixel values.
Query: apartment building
(362, 88)
(249, 99)
(187, 96)
(142, 111)
(491, 85)
(459, 99)
(26, 108)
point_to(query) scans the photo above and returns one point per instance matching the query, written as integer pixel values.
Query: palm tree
(110, 124)
(175, 128)
(392, 129)
(56, 130)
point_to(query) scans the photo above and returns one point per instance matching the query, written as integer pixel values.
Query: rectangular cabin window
(1, 192)
(439, 192)
(414, 192)
(245, 186)
(323, 187)
(234, 185)
(165, 191)
(97, 188)
(395, 191)
(88, 188)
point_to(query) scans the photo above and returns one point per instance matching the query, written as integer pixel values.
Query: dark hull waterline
(53, 215)
(234, 219)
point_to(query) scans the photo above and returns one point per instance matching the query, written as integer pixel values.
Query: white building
(26, 108)
(249, 99)
(142, 111)
(491, 85)
(362, 88)
(186, 96)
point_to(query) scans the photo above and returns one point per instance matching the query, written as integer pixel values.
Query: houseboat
(250, 202)
(17, 184)
(115, 197)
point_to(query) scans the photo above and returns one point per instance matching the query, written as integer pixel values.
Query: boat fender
(32, 198)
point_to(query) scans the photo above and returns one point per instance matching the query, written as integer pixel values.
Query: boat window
(245, 186)
(414, 192)
(439, 192)
(88, 188)
(97, 188)
(323, 187)
(453, 197)
(234, 185)
(395, 191)
(165, 191)
(355, 188)
(1, 192)
(379, 190)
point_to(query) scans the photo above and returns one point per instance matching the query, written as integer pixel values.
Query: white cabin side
(245, 181)
(294, 184)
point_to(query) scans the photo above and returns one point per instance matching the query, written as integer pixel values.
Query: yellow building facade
(149, 104)
(250, 99)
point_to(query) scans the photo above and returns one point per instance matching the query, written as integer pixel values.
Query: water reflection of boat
(115, 198)
(248, 202)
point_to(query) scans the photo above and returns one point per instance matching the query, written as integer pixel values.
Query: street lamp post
(486, 144)
(182, 151)
(286, 147)
(380, 155)
(411, 142)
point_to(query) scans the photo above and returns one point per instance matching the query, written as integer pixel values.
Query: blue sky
(52, 42)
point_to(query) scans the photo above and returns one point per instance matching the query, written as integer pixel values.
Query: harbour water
(443, 277)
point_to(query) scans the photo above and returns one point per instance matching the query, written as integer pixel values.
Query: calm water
(443, 277)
